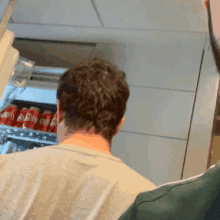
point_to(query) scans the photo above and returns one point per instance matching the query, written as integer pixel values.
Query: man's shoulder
(128, 179)
(176, 197)
(199, 182)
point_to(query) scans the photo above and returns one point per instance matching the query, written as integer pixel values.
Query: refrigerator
(36, 85)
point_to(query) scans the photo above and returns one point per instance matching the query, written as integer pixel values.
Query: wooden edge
(6, 17)
(5, 44)
(7, 68)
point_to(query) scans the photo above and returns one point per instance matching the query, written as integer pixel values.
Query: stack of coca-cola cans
(29, 118)
(9, 115)
(45, 121)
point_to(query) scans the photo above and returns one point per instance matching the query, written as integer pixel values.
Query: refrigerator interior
(26, 139)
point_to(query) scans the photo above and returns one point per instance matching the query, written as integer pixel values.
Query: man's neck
(90, 141)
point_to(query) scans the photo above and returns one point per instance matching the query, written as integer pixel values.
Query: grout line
(160, 136)
(191, 120)
(97, 13)
(158, 88)
(111, 28)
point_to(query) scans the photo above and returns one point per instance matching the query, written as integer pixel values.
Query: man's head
(93, 96)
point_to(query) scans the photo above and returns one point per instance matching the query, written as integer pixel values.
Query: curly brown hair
(93, 94)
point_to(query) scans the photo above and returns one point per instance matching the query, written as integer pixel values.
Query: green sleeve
(130, 213)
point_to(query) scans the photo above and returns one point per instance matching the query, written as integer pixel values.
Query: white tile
(159, 112)
(158, 159)
(65, 12)
(200, 134)
(151, 14)
(171, 64)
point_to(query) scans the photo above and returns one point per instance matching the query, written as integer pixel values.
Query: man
(78, 179)
(196, 198)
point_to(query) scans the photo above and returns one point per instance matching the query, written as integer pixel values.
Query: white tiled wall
(161, 15)
(169, 15)
(168, 62)
(65, 12)
(158, 159)
(159, 112)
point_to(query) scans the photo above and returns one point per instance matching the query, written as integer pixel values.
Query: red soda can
(4, 115)
(31, 118)
(9, 115)
(20, 119)
(53, 124)
(46, 120)
(28, 118)
(40, 122)
(36, 114)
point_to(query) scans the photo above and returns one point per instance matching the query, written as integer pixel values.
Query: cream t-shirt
(66, 182)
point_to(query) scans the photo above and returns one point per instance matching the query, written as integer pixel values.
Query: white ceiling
(63, 12)
(168, 15)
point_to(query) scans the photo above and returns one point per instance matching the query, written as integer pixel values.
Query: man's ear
(121, 124)
(206, 3)
(59, 112)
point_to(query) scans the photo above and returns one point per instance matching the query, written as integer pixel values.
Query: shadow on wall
(54, 54)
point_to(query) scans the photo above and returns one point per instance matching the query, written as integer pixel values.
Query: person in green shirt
(198, 197)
